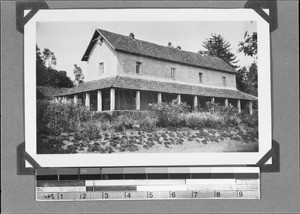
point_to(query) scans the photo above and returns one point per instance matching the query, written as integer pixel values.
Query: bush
(88, 130)
(123, 122)
(143, 120)
(229, 113)
(233, 120)
(250, 120)
(43, 117)
(102, 116)
(147, 121)
(170, 114)
(54, 117)
(49, 145)
(213, 107)
(203, 119)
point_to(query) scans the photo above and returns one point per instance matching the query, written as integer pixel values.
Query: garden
(64, 127)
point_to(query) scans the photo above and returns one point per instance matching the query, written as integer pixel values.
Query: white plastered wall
(101, 52)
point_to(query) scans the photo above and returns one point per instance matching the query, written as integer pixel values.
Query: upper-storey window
(200, 78)
(101, 68)
(173, 73)
(138, 67)
(224, 81)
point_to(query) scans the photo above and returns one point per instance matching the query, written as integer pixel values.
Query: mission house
(125, 73)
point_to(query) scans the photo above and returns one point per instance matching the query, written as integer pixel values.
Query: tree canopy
(78, 75)
(249, 45)
(46, 75)
(217, 46)
(49, 58)
(246, 80)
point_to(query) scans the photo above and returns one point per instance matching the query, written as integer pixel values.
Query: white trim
(105, 39)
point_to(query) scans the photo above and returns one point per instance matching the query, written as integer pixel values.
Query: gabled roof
(134, 46)
(156, 86)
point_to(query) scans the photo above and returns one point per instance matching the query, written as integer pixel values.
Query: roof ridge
(173, 48)
(122, 42)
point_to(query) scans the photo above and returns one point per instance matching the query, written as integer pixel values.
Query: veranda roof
(48, 92)
(155, 86)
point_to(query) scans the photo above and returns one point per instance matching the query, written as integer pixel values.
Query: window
(138, 67)
(101, 68)
(224, 81)
(173, 73)
(200, 77)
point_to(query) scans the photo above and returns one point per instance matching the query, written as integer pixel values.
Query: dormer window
(200, 78)
(173, 73)
(224, 81)
(101, 68)
(138, 67)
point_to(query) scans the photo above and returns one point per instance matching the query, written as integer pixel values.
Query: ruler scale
(79, 184)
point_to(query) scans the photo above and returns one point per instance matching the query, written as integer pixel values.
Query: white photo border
(146, 159)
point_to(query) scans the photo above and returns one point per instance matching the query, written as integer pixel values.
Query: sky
(69, 40)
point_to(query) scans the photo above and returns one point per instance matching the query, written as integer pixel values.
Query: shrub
(147, 121)
(42, 116)
(54, 117)
(213, 107)
(102, 116)
(233, 120)
(142, 120)
(203, 119)
(89, 130)
(229, 113)
(123, 122)
(49, 145)
(170, 114)
(250, 120)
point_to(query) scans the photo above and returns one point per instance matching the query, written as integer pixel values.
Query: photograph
(149, 106)
(146, 86)
(132, 95)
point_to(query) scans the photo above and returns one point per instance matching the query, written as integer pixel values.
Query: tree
(42, 76)
(48, 76)
(246, 80)
(78, 75)
(252, 80)
(49, 58)
(241, 77)
(249, 45)
(59, 79)
(217, 46)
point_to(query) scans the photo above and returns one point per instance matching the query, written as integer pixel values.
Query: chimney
(131, 36)
(178, 48)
